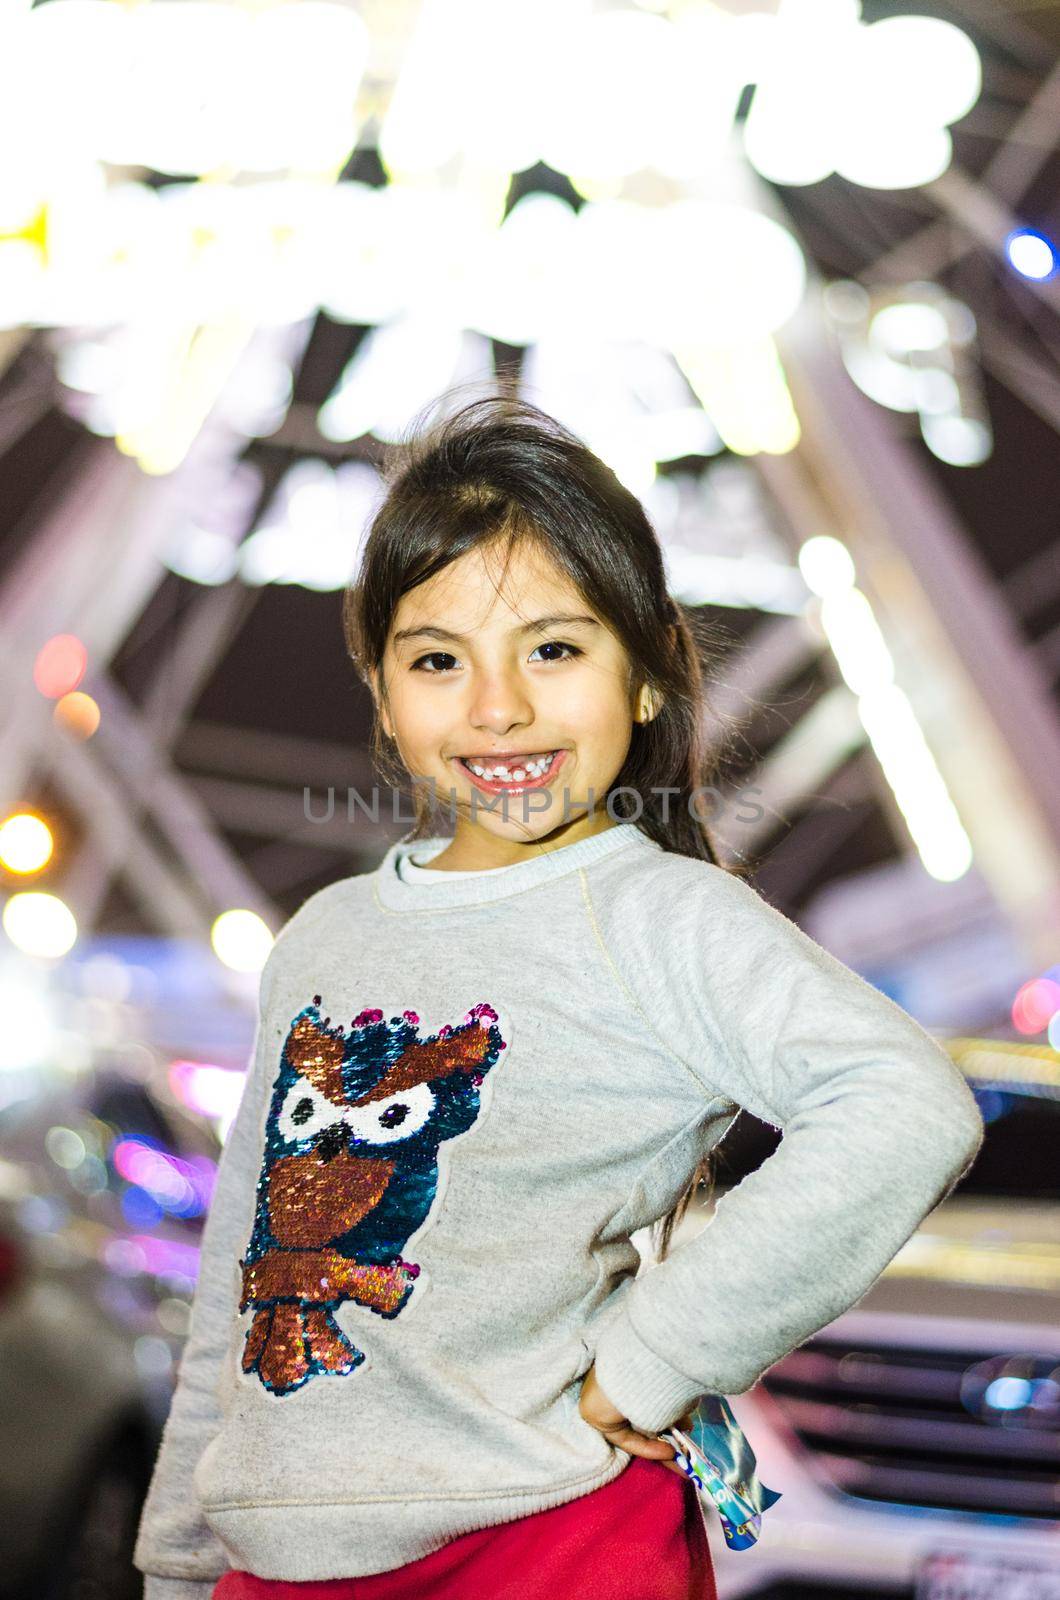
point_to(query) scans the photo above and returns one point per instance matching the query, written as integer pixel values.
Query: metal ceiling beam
(800, 763)
(777, 649)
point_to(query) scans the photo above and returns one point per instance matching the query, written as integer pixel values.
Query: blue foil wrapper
(716, 1456)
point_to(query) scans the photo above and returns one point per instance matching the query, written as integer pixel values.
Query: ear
(647, 704)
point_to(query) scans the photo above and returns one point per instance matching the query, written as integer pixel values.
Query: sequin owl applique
(350, 1171)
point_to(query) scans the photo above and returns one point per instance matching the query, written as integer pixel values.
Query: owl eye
(305, 1113)
(397, 1117)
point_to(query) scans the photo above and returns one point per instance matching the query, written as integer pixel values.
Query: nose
(499, 703)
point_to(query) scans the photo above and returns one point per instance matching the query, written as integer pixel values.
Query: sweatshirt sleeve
(176, 1550)
(878, 1126)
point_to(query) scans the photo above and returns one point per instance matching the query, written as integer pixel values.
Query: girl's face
(506, 672)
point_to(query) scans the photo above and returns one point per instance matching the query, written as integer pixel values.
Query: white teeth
(529, 769)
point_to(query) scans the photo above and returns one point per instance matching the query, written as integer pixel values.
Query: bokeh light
(26, 842)
(77, 713)
(241, 940)
(39, 924)
(1032, 254)
(60, 665)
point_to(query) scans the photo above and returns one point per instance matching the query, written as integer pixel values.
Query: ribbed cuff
(156, 1588)
(650, 1392)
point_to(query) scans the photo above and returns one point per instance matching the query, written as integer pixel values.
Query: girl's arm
(176, 1550)
(878, 1127)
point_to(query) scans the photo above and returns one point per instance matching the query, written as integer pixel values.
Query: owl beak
(332, 1142)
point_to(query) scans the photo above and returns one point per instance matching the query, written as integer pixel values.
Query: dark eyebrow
(539, 625)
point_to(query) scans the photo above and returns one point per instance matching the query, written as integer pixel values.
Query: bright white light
(857, 642)
(903, 158)
(315, 526)
(871, 103)
(241, 940)
(906, 326)
(919, 790)
(960, 441)
(611, 95)
(39, 924)
(936, 391)
(523, 275)
(720, 275)
(826, 565)
(1032, 254)
(888, 382)
(396, 371)
(921, 67)
(192, 89)
(697, 578)
(28, 1037)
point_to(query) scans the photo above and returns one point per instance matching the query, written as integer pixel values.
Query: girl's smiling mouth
(495, 775)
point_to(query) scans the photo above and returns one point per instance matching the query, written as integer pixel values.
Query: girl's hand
(597, 1410)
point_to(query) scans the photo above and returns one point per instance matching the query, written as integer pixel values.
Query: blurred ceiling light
(612, 93)
(683, 431)
(453, 96)
(856, 639)
(314, 527)
(959, 441)
(39, 924)
(724, 274)
(913, 348)
(202, 556)
(872, 103)
(697, 578)
(196, 88)
(827, 565)
(60, 665)
(397, 370)
(523, 274)
(919, 789)
(744, 391)
(906, 326)
(26, 842)
(184, 396)
(627, 400)
(241, 940)
(1032, 254)
(897, 739)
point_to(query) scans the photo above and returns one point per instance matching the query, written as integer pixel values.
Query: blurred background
(792, 270)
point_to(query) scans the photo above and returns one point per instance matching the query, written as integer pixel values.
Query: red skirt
(639, 1537)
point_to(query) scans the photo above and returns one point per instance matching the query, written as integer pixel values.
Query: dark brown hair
(496, 470)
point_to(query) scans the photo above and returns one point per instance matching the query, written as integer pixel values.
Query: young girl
(422, 1362)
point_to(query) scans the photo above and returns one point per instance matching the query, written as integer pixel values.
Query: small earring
(647, 706)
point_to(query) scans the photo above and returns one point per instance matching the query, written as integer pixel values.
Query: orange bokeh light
(78, 714)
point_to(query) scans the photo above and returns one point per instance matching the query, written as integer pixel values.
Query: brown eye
(435, 655)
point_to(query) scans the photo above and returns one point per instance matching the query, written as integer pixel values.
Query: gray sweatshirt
(464, 1098)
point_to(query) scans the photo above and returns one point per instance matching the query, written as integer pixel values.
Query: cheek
(416, 717)
(596, 713)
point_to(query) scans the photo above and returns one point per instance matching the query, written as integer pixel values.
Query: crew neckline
(399, 894)
(423, 872)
